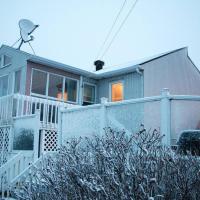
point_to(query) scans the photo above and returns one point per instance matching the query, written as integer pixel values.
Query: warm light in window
(59, 95)
(117, 91)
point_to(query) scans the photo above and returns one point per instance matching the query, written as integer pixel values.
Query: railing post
(60, 115)
(166, 117)
(36, 135)
(103, 117)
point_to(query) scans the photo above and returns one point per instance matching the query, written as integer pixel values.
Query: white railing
(10, 170)
(171, 114)
(18, 105)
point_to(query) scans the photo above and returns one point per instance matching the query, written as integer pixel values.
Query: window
(88, 94)
(17, 81)
(55, 86)
(70, 92)
(117, 91)
(3, 85)
(39, 82)
(5, 60)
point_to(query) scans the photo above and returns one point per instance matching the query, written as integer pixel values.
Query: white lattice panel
(50, 140)
(4, 143)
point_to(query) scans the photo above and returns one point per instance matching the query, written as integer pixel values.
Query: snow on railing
(11, 169)
(18, 105)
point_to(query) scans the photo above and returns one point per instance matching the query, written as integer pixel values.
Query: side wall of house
(174, 71)
(133, 86)
(18, 63)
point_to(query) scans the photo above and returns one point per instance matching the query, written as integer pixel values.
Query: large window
(88, 94)
(17, 81)
(3, 85)
(117, 91)
(54, 86)
(39, 82)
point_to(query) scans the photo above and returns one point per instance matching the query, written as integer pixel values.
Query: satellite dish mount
(26, 29)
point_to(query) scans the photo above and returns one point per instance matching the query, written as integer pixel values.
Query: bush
(114, 166)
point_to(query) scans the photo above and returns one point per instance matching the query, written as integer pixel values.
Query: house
(47, 101)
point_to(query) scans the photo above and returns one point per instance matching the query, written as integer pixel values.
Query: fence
(168, 113)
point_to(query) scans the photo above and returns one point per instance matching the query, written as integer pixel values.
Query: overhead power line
(120, 27)
(111, 29)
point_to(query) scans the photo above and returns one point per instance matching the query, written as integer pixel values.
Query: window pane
(39, 81)
(89, 93)
(3, 86)
(70, 92)
(7, 60)
(17, 81)
(117, 91)
(55, 86)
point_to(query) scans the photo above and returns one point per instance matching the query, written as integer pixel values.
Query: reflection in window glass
(89, 93)
(17, 81)
(55, 86)
(117, 91)
(3, 86)
(39, 81)
(70, 91)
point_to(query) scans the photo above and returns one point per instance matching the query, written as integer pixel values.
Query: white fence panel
(83, 121)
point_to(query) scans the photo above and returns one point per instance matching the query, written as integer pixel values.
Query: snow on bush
(114, 166)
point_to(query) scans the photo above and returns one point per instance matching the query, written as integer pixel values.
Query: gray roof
(104, 73)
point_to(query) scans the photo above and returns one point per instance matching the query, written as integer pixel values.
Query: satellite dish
(26, 28)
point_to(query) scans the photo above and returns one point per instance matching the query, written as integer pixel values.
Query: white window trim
(110, 88)
(2, 61)
(8, 84)
(47, 87)
(95, 93)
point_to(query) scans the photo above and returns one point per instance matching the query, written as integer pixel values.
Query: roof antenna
(26, 29)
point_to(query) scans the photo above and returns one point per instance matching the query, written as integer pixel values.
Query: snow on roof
(130, 66)
(104, 73)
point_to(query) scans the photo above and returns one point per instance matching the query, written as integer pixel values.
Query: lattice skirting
(4, 143)
(49, 140)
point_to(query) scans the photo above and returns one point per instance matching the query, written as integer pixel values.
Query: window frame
(110, 89)
(2, 60)
(7, 84)
(95, 92)
(47, 87)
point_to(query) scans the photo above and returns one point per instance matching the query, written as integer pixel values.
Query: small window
(3, 86)
(70, 92)
(17, 81)
(117, 91)
(88, 94)
(5, 60)
(39, 82)
(55, 86)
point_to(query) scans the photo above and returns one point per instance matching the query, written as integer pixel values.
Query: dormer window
(5, 61)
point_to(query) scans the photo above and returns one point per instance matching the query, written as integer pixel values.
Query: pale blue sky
(72, 31)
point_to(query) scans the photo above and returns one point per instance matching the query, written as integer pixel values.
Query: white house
(43, 102)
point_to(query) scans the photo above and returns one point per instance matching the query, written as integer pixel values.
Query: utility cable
(120, 27)
(111, 29)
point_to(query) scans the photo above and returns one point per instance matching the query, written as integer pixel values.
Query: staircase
(12, 169)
